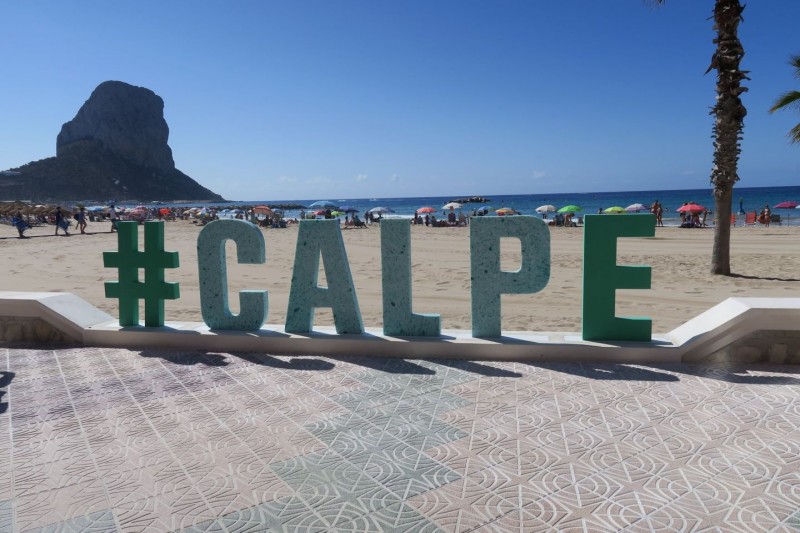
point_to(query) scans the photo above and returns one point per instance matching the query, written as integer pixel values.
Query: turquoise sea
(750, 198)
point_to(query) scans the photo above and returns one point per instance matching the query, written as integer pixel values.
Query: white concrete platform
(776, 322)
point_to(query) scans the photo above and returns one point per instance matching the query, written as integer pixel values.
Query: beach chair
(775, 219)
(750, 219)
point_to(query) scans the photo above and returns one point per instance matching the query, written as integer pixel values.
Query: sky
(299, 99)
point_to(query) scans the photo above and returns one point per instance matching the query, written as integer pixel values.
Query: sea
(746, 199)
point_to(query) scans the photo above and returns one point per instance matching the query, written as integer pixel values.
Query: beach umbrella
(424, 210)
(320, 213)
(381, 210)
(616, 210)
(691, 208)
(635, 208)
(324, 204)
(452, 205)
(337, 213)
(546, 209)
(570, 209)
(348, 209)
(503, 211)
(262, 210)
(789, 204)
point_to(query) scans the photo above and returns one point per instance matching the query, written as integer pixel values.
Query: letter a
(315, 238)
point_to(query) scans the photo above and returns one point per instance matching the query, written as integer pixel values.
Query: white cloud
(394, 178)
(286, 179)
(538, 174)
(689, 172)
(361, 177)
(318, 180)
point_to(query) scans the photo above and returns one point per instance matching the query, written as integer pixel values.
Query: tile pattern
(116, 440)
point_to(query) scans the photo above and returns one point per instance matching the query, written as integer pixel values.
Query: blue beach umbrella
(324, 204)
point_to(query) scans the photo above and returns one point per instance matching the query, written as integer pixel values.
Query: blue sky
(312, 99)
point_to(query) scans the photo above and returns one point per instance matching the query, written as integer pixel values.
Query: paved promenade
(118, 440)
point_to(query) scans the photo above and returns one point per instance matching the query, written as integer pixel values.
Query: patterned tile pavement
(119, 440)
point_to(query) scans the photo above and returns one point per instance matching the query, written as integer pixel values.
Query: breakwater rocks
(472, 200)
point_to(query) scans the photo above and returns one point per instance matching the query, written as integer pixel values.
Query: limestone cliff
(115, 148)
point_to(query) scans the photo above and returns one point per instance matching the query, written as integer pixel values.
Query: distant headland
(115, 147)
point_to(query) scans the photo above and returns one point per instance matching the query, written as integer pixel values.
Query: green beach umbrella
(570, 209)
(616, 209)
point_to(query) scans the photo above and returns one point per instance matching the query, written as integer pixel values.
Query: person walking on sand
(81, 218)
(61, 222)
(20, 223)
(112, 214)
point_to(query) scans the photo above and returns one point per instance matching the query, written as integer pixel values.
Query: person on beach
(20, 223)
(61, 222)
(427, 220)
(660, 216)
(80, 216)
(112, 214)
(767, 215)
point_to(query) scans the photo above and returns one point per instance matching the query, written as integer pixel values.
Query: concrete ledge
(719, 333)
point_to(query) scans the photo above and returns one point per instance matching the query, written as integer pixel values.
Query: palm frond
(794, 134)
(795, 62)
(787, 100)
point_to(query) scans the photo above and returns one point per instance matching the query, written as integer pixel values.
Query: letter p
(489, 282)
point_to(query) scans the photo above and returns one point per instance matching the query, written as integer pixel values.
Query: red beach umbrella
(691, 208)
(426, 210)
(788, 204)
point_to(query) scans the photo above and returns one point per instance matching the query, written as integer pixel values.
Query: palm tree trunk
(729, 113)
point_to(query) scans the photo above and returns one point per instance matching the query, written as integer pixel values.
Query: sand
(766, 262)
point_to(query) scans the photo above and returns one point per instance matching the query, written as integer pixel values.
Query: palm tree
(729, 113)
(790, 99)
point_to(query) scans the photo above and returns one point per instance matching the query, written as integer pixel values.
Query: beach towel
(20, 224)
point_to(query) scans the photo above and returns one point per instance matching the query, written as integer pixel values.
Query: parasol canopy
(635, 208)
(505, 211)
(325, 204)
(615, 210)
(381, 210)
(789, 204)
(570, 209)
(424, 210)
(691, 208)
(546, 209)
(452, 205)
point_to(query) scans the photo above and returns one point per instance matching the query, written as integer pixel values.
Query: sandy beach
(766, 262)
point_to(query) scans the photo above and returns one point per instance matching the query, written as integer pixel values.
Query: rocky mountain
(115, 147)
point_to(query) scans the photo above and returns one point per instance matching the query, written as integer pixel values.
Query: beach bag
(63, 225)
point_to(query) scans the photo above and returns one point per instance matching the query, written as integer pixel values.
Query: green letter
(315, 238)
(489, 282)
(396, 282)
(214, 275)
(602, 277)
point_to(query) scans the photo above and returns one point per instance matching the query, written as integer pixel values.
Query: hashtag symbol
(128, 260)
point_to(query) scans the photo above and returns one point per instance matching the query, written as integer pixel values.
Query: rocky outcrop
(115, 148)
(128, 121)
(472, 200)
